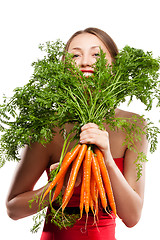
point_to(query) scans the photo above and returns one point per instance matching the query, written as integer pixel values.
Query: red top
(105, 228)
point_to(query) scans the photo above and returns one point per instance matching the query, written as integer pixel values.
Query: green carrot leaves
(58, 93)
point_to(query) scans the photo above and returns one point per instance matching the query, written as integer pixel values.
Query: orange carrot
(63, 170)
(73, 175)
(58, 189)
(91, 204)
(106, 179)
(87, 178)
(93, 185)
(64, 204)
(81, 198)
(61, 181)
(96, 203)
(94, 194)
(98, 179)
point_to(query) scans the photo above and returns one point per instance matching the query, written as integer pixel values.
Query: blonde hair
(103, 36)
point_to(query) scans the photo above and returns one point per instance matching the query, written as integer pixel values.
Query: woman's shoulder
(119, 113)
(135, 120)
(130, 116)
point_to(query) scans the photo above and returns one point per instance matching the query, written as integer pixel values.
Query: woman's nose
(86, 61)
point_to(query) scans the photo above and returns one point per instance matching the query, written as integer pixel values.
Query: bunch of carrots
(95, 180)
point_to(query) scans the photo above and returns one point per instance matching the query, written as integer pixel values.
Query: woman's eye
(96, 54)
(75, 55)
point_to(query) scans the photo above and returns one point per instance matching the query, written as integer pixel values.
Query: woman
(85, 46)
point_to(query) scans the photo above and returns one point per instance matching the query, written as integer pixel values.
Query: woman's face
(85, 49)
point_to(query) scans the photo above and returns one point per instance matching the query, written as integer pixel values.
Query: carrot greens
(58, 93)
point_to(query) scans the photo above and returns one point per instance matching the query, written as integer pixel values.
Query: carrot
(81, 198)
(61, 181)
(64, 204)
(98, 179)
(73, 175)
(91, 204)
(106, 179)
(96, 203)
(93, 185)
(87, 178)
(58, 189)
(63, 170)
(94, 194)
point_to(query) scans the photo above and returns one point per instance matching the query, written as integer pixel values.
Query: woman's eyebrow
(95, 47)
(78, 48)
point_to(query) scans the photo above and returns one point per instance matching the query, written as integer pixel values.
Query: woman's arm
(127, 191)
(33, 163)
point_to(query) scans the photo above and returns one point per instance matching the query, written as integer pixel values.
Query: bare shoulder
(119, 113)
(138, 127)
(125, 114)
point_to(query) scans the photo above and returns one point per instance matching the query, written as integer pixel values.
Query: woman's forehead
(86, 40)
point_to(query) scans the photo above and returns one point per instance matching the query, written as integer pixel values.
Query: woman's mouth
(87, 72)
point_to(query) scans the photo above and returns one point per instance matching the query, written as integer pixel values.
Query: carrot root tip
(83, 230)
(86, 221)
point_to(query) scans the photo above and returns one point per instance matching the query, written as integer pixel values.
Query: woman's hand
(54, 166)
(91, 134)
(78, 180)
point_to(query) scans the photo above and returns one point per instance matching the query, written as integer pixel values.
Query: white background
(25, 24)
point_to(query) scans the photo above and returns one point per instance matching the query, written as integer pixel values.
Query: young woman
(85, 46)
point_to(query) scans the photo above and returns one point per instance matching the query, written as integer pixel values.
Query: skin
(128, 192)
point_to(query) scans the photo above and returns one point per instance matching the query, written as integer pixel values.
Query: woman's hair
(103, 36)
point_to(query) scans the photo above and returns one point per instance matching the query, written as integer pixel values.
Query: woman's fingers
(89, 125)
(91, 134)
(54, 166)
